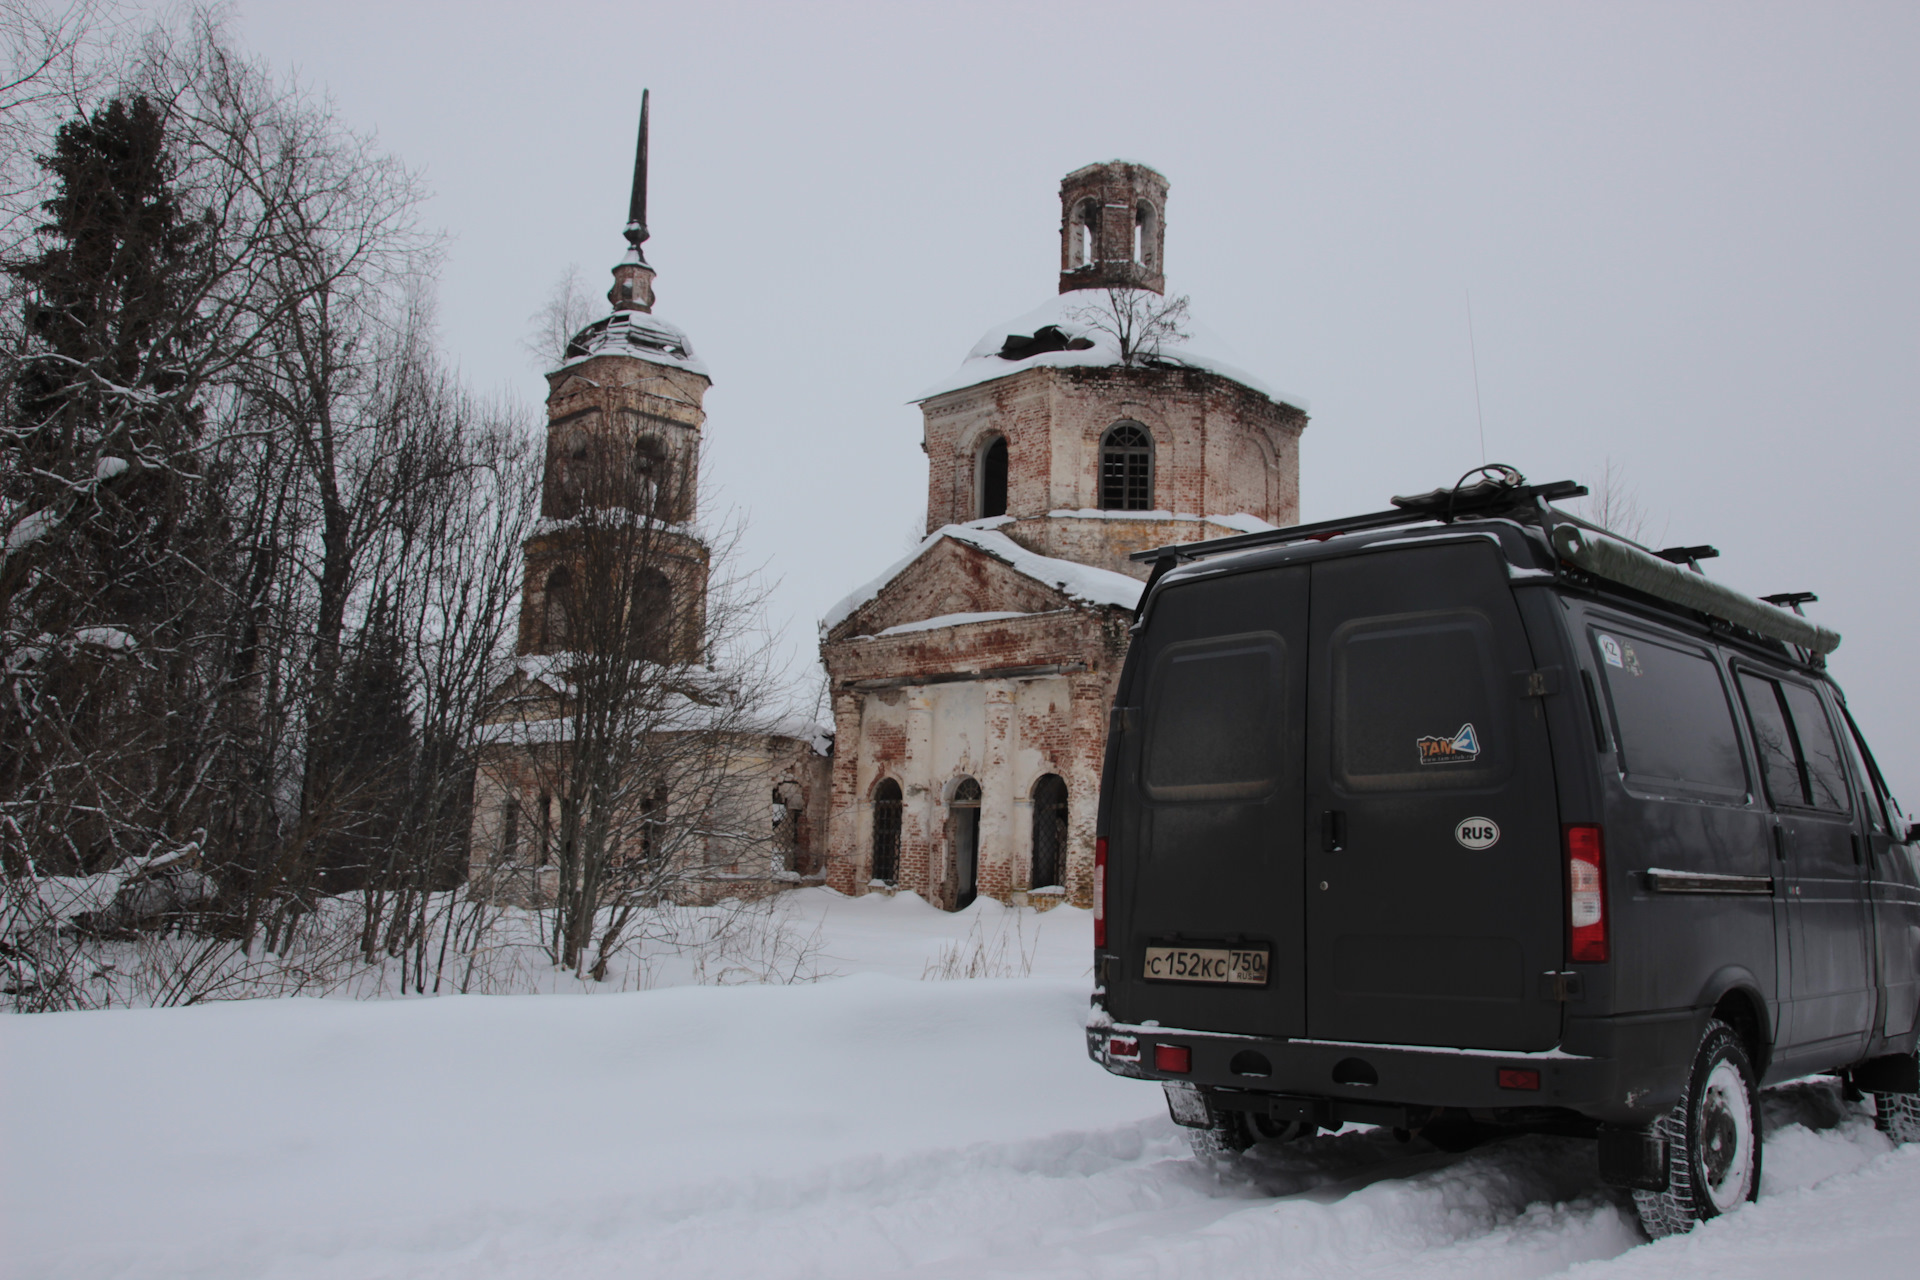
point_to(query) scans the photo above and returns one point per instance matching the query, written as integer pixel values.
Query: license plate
(1226, 966)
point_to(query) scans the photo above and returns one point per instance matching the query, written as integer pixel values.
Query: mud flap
(1633, 1158)
(1187, 1105)
(1895, 1073)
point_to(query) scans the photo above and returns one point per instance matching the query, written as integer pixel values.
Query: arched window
(1083, 235)
(886, 831)
(965, 807)
(650, 620)
(1143, 233)
(649, 467)
(1126, 468)
(556, 611)
(1049, 830)
(993, 478)
(510, 831)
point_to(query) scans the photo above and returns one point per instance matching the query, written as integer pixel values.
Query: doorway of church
(966, 843)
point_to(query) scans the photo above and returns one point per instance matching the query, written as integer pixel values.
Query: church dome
(639, 334)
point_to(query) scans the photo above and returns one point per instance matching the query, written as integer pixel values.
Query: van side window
(1417, 705)
(1888, 807)
(1826, 776)
(1796, 742)
(1671, 715)
(1215, 711)
(1779, 762)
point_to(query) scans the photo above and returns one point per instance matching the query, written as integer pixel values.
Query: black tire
(1898, 1116)
(1235, 1132)
(1713, 1140)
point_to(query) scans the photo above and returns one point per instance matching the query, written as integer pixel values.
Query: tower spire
(632, 277)
(637, 205)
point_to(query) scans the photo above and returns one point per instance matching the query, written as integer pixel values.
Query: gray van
(1469, 818)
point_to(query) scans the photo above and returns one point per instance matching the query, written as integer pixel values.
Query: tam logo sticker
(1477, 833)
(1462, 747)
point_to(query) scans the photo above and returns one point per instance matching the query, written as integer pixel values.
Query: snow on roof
(639, 334)
(1069, 313)
(948, 620)
(1081, 582)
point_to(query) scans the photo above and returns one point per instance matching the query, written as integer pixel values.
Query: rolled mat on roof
(1615, 561)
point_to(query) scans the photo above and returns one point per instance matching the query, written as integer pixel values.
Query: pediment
(950, 576)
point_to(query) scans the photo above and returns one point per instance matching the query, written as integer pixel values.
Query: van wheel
(1234, 1132)
(1713, 1140)
(1897, 1115)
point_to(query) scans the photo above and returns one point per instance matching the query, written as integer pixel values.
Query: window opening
(1143, 234)
(556, 622)
(966, 843)
(651, 621)
(1049, 830)
(993, 478)
(1126, 468)
(544, 853)
(509, 830)
(886, 831)
(1081, 237)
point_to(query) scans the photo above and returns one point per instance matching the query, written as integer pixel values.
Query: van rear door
(1434, 893)
(1205, 836)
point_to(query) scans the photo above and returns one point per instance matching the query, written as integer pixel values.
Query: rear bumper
(1628, 1071)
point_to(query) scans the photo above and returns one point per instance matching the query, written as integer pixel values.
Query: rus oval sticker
(1477, 833)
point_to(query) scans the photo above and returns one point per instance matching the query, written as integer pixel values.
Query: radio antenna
(1473, 349)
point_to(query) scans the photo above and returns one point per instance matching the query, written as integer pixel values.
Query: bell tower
(1113, 231)
(624, 419)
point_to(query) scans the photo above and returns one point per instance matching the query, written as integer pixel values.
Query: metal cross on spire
(637, 207)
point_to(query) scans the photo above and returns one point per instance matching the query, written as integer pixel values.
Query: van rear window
(1415, 706)
(1215, 710)
(1671, 716)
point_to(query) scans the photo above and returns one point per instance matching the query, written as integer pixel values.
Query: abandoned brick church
(970, 684)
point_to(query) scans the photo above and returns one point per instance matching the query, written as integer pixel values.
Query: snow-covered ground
(870, 1124)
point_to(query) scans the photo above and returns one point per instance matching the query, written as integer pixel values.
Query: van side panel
(1677, 795)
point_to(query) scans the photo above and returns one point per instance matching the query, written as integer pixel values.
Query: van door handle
(1333, 831)
(1855, 837)
(1779, 843)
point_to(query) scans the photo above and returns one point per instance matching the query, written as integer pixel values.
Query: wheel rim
(1724, 1137)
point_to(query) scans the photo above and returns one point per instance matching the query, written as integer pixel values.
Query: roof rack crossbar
(1495, 500)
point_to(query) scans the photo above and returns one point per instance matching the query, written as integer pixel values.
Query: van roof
(1538, 542)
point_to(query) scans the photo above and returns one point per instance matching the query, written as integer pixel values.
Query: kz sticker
(1477, 833)
(1462, 748)
(1610, 650)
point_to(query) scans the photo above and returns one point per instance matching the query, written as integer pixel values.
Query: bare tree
(1615, 506)
(623, 762)
(260, 548)
(567, 311)
(1140, 322)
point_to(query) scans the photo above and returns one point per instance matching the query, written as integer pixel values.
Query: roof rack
(1504, 491)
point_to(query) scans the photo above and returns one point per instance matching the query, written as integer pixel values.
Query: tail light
(1174, 1059)
(1519, 1078)
(1100, 892)
(1587, 893)
(1124, 1047)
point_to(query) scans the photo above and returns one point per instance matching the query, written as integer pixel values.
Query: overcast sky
(1688, 233)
